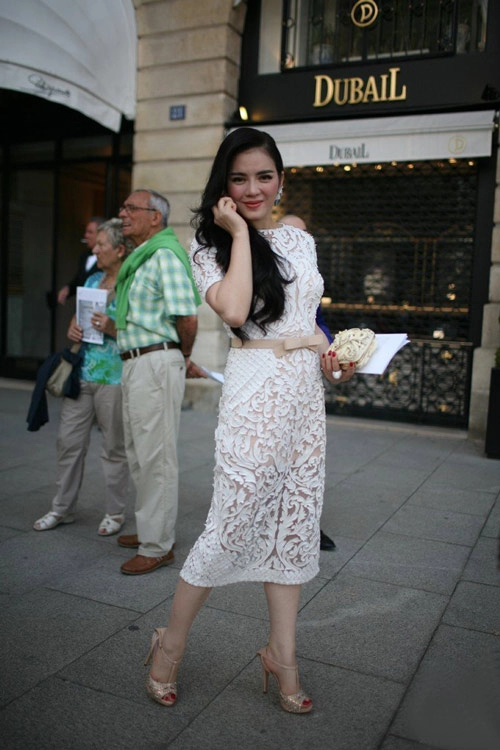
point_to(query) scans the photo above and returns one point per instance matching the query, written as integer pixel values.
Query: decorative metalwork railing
(322, 32)
(395, 246)
(427, 381)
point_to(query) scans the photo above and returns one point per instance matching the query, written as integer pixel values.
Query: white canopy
(406, 138)
(80, 53)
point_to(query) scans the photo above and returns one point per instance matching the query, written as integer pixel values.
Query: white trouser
(101, 404)
(153, 389)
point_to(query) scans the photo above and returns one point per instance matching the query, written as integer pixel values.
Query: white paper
(218, 376)
(89, 301)
(388, 345)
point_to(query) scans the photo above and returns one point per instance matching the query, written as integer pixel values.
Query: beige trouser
(101, 404)
(153, 389)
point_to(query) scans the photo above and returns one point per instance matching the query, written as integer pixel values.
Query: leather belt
(132, 353)
(279, 346)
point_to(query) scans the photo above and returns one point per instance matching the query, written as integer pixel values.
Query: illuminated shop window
(322, 32)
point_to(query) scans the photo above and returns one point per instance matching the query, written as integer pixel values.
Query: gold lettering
(319, 100)
(356, 90)
(371, 90)
(342, 91)
(338, 82)
(393, 97)
(383, 87)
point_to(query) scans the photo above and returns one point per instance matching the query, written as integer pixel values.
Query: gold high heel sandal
(297, 703)
(162, 692)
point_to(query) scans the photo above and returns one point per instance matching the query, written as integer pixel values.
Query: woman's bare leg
(186, 604)
(283, 604)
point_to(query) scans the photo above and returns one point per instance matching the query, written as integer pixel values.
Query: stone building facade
(484, 356)
(193, 59)
(188, 56)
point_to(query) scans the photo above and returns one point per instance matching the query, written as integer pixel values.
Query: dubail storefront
(386, 116)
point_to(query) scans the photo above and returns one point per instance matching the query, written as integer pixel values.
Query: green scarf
(166, 238)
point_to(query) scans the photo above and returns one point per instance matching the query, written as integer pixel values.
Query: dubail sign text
(341, 91)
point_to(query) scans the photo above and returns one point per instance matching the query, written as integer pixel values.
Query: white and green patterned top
(101, 362)
(161, 291)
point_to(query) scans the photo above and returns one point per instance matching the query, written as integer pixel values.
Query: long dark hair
(268, 278)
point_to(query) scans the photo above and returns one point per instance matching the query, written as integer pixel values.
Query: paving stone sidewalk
(398, 636)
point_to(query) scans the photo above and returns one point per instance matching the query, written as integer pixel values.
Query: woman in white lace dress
(261, 278)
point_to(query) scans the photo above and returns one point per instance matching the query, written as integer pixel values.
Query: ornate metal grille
(425, 382)
(321, 32)
(395, 248)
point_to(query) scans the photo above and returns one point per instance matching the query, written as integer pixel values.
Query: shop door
(396, 251)
(42, 227)
(29, 265)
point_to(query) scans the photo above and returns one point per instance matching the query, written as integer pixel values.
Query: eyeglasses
(129, 208)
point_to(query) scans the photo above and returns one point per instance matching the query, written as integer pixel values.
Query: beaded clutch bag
(354, 345)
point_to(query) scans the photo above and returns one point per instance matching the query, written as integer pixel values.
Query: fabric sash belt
(279, 346)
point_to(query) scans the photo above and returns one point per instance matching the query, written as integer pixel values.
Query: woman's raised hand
(226, 216)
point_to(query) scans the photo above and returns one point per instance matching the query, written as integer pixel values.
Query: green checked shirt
(160, 292)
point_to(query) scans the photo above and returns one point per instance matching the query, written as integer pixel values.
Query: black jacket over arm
(38, 413)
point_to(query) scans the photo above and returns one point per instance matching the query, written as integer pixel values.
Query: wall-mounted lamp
(243, 113)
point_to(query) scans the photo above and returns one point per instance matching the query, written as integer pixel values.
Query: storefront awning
(412, 138)
(81, 54)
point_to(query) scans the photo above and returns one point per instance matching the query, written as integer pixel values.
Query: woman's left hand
(331, 369)
(103, 323)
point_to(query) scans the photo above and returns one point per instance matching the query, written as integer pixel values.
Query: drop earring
(278, 196)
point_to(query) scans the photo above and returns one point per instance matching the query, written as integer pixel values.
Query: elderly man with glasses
(156, 325)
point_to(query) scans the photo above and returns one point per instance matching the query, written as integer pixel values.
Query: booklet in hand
(217, 376)
(388, 345)
(89, 301)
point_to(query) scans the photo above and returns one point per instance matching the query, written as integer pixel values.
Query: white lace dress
(263, 523)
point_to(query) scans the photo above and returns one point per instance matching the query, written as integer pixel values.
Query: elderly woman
(100, 401)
